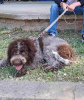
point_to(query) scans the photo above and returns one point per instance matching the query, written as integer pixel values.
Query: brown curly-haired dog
(25, 55)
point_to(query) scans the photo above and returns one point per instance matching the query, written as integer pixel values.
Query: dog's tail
(59, 58)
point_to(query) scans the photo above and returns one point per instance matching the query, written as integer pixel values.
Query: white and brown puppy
(25, 55)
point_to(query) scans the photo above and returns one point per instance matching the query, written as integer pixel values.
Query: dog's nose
(17, 62)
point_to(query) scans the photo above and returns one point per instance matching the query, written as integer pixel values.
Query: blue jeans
(54, 13)
(1, 1)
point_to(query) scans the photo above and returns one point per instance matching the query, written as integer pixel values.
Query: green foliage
(7, 73)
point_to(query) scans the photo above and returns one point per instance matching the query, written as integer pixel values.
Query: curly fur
(66, 52)
(26, 55)
(27, 46)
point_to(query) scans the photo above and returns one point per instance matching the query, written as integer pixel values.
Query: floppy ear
(10, 46)
(9, 52)
(31, 49)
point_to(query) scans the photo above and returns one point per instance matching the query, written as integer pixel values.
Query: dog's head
(21, 52)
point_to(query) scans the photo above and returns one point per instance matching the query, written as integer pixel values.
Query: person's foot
(52, 34)
(82, 37)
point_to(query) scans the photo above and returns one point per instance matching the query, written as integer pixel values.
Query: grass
(73, 72)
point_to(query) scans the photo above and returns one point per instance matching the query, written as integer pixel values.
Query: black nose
(17, 62)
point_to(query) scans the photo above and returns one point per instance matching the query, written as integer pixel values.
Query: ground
(74, 72)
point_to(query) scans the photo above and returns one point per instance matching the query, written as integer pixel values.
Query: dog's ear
(31, 49)
(10, 46)
(40, 43)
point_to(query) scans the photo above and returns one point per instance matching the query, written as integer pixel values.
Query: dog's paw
(18, 74)
(50, 68)
(21, 73)
(47, 69)
(68, 62)
(44, 65)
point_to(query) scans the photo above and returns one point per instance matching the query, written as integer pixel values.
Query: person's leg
(54, 13)
(82, 32)
(80, 10)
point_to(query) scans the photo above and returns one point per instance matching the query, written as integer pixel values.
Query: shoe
(83, 38)
(52, 34)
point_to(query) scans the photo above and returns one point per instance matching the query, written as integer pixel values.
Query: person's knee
(54, 6)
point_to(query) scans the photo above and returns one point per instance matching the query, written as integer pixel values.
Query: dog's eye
(13, 53)
(22, 52)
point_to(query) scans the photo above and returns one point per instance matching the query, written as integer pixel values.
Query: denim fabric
(54, 13)
(1, 1)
